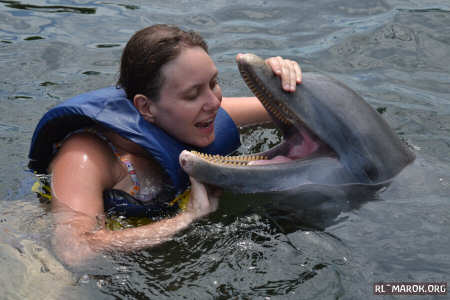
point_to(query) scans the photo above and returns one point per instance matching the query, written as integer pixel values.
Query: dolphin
(331, 137)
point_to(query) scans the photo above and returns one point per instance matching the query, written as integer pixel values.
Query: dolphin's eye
(371, 172)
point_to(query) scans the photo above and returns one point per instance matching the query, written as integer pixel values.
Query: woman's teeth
(204, 124)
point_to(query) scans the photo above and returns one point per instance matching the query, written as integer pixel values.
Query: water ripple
(49, 8)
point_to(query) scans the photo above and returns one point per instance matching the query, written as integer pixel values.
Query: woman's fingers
(204, 198)
(288, 70)
(298, 72)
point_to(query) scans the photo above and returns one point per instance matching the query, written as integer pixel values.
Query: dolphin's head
(331, 136)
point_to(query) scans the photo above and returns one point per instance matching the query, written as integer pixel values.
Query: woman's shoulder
(85, 142)
(87, 152)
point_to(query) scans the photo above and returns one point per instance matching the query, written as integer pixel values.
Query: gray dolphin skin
(331, 136)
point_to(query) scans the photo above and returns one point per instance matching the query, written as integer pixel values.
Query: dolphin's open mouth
(299, 142)
(331, 136)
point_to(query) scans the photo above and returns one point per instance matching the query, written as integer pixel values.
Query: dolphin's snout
(249, 59)
(185, 162)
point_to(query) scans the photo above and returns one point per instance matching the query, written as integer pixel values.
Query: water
(394, 53)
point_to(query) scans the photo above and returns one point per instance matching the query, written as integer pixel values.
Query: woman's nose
(213, 102)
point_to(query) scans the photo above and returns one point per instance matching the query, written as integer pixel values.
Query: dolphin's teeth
(235, 161)
(278, 109)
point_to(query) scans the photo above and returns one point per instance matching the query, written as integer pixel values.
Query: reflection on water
(394, 53)
(49, 8)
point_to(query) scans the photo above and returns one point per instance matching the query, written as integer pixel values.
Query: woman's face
(189, 98)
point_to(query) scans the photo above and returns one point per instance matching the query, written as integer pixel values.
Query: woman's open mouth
(206, 123)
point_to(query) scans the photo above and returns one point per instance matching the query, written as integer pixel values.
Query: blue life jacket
(110, 108)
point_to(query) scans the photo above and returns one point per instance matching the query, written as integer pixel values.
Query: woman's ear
(145, 107)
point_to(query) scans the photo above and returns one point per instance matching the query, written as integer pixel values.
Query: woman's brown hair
(147, 51)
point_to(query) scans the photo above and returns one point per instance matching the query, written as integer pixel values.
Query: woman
(172, 94)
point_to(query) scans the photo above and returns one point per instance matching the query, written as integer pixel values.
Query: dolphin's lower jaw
(331, 137)
(236, 175)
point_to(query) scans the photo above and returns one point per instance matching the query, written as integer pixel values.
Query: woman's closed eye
(192, 93)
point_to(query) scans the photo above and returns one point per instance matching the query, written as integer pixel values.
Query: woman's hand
(288, 70)
(204, 199)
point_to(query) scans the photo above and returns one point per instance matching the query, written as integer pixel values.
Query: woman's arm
(82, 169)
(245, 110)
(248, 110)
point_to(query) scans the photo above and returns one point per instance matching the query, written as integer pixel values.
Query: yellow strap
(182, 199)
(42, 189)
